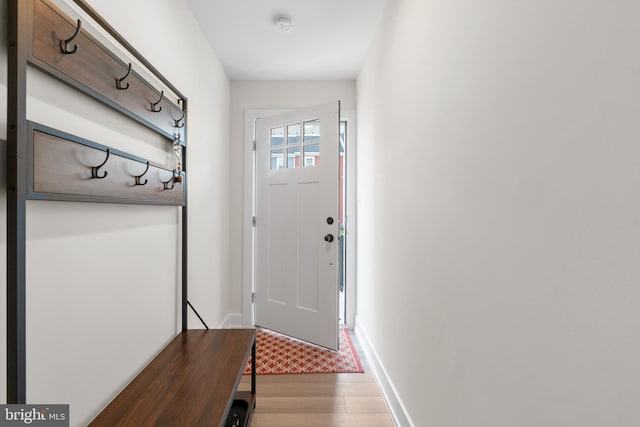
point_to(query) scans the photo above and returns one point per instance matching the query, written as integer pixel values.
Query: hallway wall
(499, 216)
(103, 280)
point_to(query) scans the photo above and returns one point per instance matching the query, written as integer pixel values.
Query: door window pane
(311, 131)
(293, 134)
(277, 159)
(312, 155)
(277, 136)
(293, 157)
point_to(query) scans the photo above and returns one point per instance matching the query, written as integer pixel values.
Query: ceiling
(329, 41)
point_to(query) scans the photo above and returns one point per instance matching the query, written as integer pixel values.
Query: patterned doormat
(280, 354)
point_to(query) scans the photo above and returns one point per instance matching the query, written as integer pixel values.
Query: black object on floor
(237, 414)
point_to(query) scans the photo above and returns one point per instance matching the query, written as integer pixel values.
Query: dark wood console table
(192, 382)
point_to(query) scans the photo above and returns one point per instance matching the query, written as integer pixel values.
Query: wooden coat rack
(49, 164)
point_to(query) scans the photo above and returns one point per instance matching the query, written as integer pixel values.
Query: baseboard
(398, 411)
(233, 320)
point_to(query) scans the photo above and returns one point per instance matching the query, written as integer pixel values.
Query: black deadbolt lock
(328, 238)
(330, 220)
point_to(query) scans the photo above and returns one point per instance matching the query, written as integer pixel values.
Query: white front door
(296, 228)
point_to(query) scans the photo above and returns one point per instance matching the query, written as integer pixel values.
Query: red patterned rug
(280, 354)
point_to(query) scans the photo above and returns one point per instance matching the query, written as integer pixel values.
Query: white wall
(499, 214)
(103, 280)
(265, 95)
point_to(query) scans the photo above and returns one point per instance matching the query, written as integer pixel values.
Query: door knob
(328, 238)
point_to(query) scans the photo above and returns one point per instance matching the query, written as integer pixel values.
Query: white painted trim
(351, 216)
(247, 222)
(233, 320)
(394, 403)
(250, 117)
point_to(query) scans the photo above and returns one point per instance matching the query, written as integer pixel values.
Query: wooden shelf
(94, 69)
(61, 170)
(193, 381)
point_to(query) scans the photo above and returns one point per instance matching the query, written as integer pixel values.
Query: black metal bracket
(64, 44)
(166, 183)
(94, 169)
(121, 79)
(138, 177)
(194, 310)
(177, 121)
(155, 104)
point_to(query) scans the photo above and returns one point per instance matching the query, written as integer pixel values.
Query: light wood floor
(318, 400)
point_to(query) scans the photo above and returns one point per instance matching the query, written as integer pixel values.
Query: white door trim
(248, 256)
(351, 216)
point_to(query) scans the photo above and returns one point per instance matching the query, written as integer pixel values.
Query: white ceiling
(329, 39)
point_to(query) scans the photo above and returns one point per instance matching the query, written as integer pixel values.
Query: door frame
(248, 250)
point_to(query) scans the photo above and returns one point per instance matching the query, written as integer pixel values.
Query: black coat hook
(94, 169)
(138, 177)
(177, 122)
(154, 104)
(64, 44)
(166, 183)
(121, 79)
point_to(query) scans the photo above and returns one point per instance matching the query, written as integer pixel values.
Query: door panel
(296, 276)
(277, 245)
